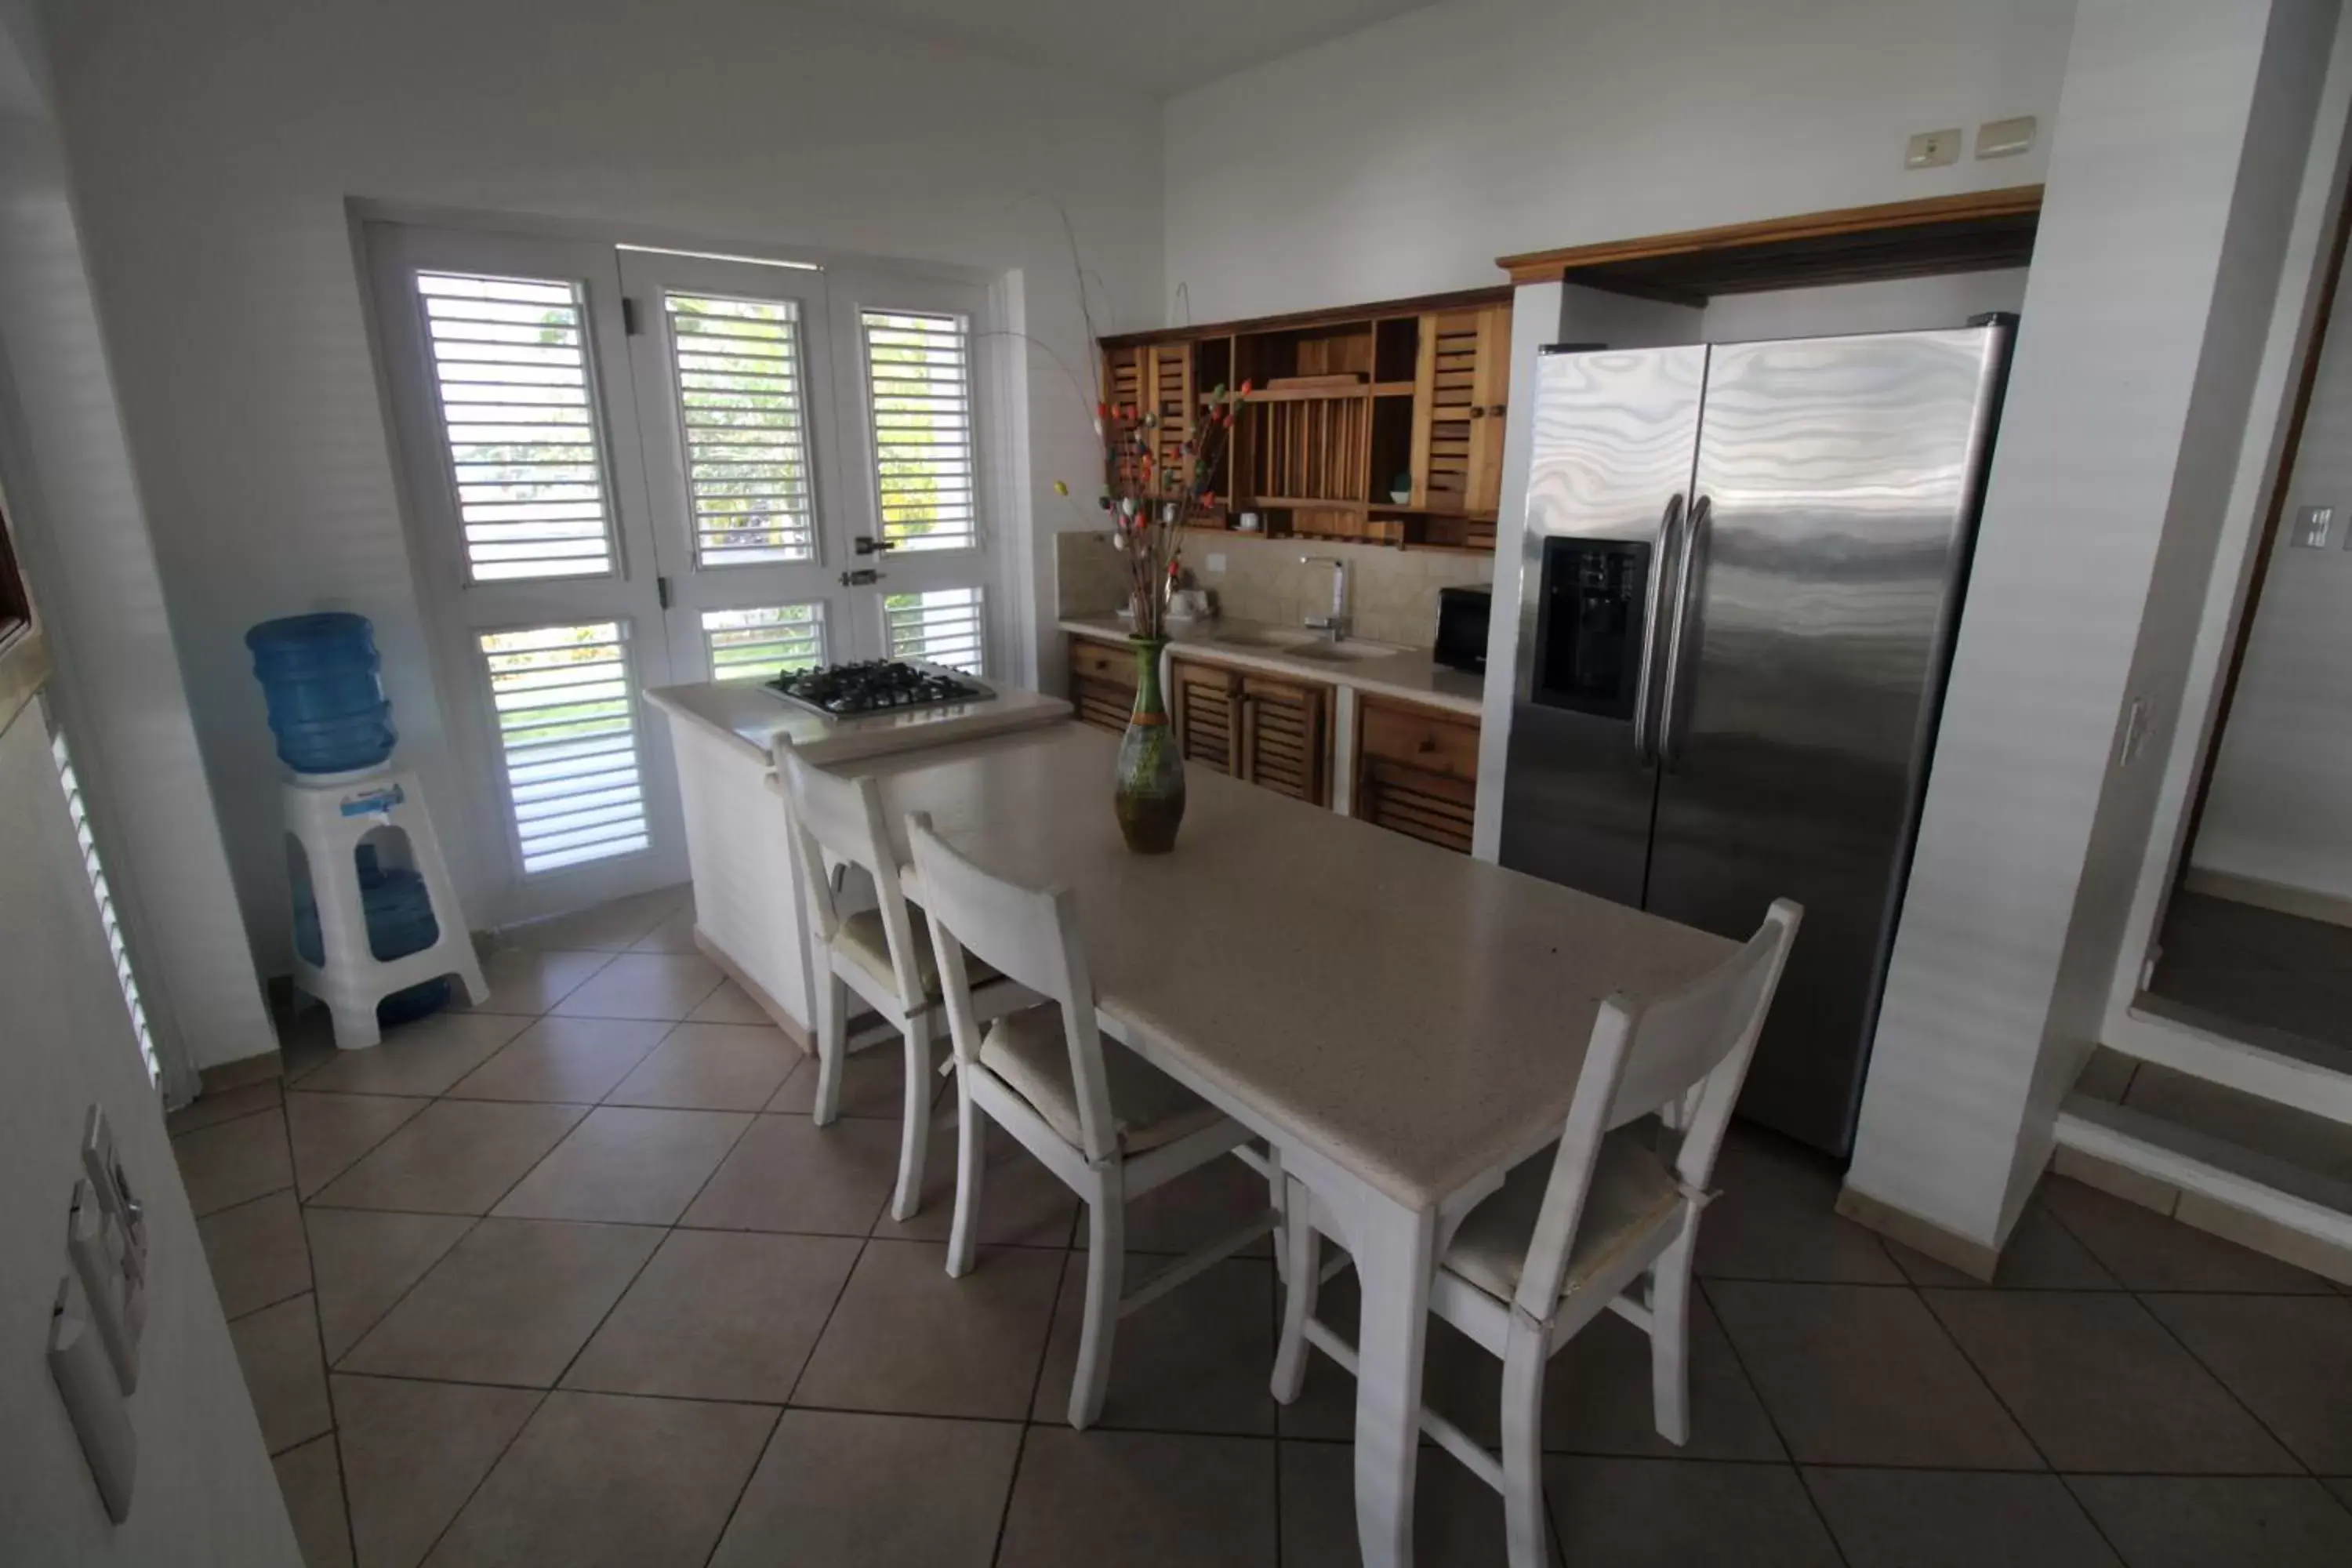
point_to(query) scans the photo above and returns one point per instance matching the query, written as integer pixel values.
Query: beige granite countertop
(1409, 674)
(747, 715)
(1417, 1015)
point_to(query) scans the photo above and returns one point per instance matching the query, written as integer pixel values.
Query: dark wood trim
(2290, 448)
(1380, 310)
(2010, 202)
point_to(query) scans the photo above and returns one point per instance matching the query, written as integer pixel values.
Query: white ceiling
(1160, 46)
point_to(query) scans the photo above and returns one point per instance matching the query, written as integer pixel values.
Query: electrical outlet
(2005, 138)
(1933, 149)
(1215, 564)
(2312, 527)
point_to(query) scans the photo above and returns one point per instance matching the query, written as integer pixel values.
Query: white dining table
(1402, 1024)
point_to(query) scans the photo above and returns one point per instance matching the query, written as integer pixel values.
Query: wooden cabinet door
(1102, 683)
(1167, 392)
(1205, 699)
(1285, 737)
(1417, 772)
(1461, 377)
(1490, 387)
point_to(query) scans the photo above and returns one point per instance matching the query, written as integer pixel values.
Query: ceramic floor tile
(458, 1157)
(311, 1481)
(234, 1162)
(730, 1004)
(1859, 1375)
(563, 1060)
(2147, 1251)
(2200, 1521)
(2287, 1357)
(2101, 1386)
(423, 1058)
(2042, 1254)
(364, 1262)
(872, 1085)
(1616, 1513)
(643, 985)
(511, 1303)
(607, 927)
(831, 1492)
(788, 1174)
(1197, 1359)
(904, 1338)
(628, 1165)
(1956, 1519)
(1456, 1516)
(1777, 1219)
(1597, 1395)
(224, 1106)
(712, 1067)
(1141, 1498)
(527, 981)
(413, 1454)
(597, 1479)
(278, 1348)
(675, 934)
(718, 1314)
(331, 1132)
(1022, 1203)
(1193, 1210)
(257, 1253)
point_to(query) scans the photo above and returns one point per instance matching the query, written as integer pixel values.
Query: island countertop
(746, 715)
(1408, 674)
(1416, 1015)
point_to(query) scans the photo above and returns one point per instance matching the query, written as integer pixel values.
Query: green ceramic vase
(1150, 793)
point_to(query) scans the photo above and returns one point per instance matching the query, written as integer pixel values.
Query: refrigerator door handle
(1679, 637)
(1645, 749)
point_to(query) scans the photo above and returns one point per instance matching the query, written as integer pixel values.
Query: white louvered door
(518, 427)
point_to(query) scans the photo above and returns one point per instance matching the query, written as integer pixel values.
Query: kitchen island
(748, 910)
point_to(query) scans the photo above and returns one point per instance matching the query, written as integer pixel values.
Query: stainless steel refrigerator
(1743, 564)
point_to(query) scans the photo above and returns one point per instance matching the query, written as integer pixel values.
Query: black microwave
(1462, 615)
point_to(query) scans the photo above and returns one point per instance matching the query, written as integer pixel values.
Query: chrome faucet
(1334, 626)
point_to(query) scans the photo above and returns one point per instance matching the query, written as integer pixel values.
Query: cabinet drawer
(1423, 738)
(1102, 661)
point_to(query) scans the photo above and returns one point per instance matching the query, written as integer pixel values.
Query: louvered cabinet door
(1102, 684)
(1460, 382)
(1417, 773)
(1285, 737)
(1490, 387)
(1206, 700)
(1168, 377)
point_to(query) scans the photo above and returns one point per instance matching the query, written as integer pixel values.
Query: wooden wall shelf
(1971, 232)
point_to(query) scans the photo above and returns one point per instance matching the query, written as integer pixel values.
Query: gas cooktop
(874, 686)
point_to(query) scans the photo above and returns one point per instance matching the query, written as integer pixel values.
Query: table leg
(1393, 1247)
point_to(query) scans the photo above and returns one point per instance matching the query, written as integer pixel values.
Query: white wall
(206, 1492)
(1405, 158)
(92, 563)
(2184, 131)
(214, 147)
(2280, 808)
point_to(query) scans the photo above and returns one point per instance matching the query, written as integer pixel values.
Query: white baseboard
(2263, 894)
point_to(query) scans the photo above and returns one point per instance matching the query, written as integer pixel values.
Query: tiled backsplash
(1391, 594)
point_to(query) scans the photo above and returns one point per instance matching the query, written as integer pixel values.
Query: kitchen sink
(1341, 652)
(1253, 636)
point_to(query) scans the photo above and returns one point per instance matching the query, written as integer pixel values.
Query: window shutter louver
(566, 710)
(943, 626)
(919, 399)
(91, 867)
(754, 643)
(743, 416)
(518, 422)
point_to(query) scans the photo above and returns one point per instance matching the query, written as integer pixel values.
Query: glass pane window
(742, 403)
(757, 643)
(568, 735)
(943, 626)
(918, 398)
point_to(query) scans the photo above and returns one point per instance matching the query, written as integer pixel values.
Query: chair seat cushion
(1634, 1194)
(1030, 1052)
(863, 940)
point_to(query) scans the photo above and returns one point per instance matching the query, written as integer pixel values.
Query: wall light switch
(2005, 138)
(2312, 527)
(1933, 149)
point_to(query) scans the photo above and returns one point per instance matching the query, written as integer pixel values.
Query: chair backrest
(827, 814)
(1684, 1054)
(1031, 936)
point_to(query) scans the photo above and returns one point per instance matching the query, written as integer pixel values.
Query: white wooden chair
(882, 954)
(1109, 1124)
(1577, 1227)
